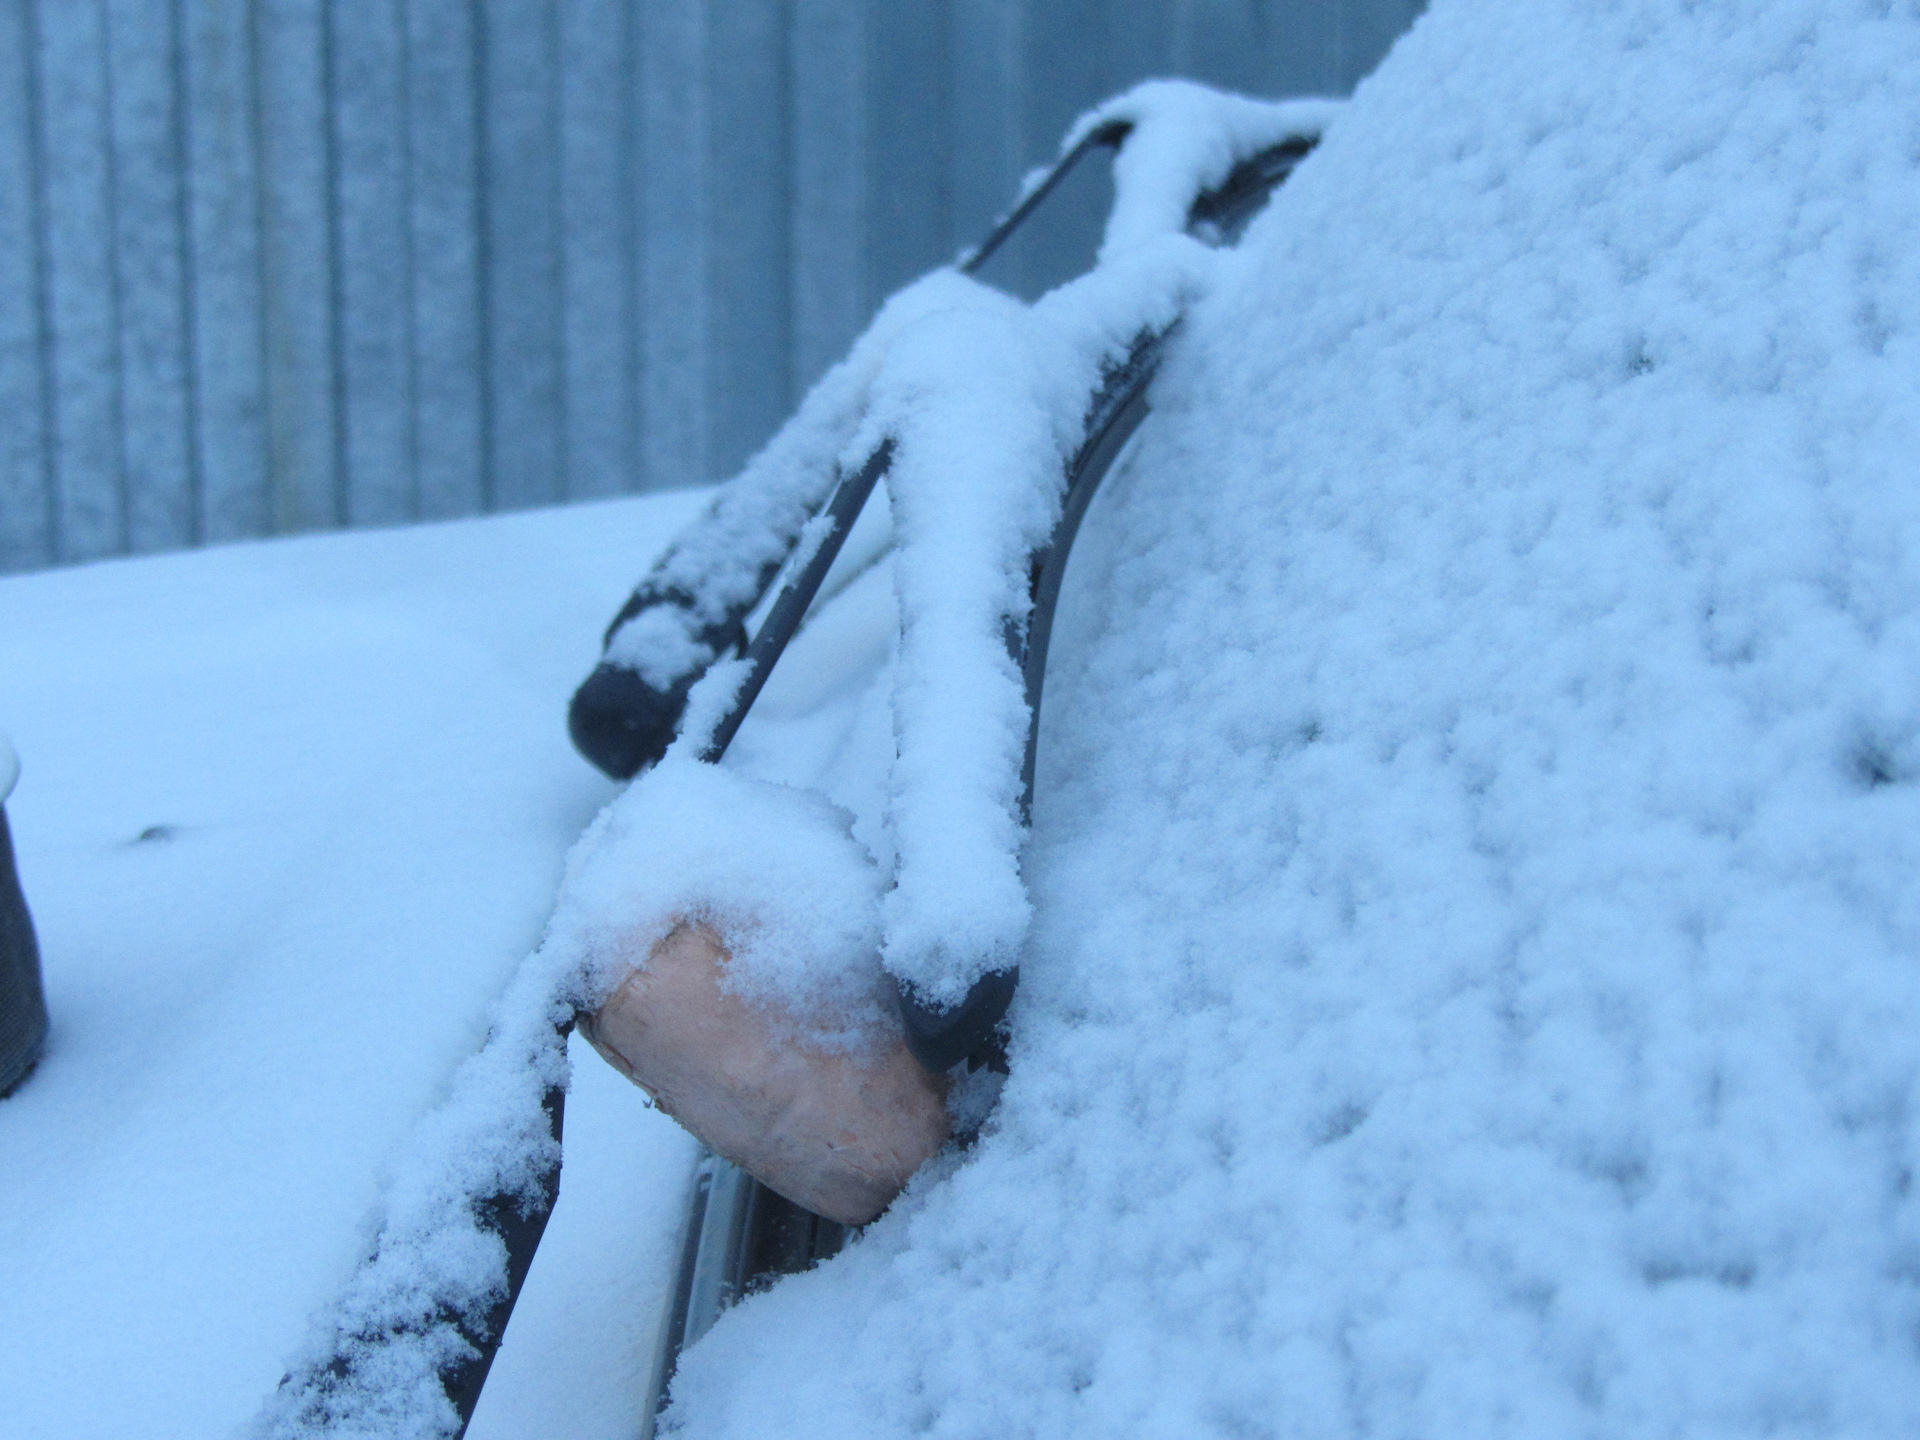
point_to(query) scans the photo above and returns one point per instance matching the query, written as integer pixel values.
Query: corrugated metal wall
(275, 265)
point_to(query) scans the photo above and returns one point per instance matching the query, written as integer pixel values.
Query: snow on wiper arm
(1188, 158)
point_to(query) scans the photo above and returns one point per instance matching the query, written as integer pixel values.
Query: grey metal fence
(277, 265)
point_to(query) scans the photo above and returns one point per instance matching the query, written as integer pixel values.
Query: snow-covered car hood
(1474, 985)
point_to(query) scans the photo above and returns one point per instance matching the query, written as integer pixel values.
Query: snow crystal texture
(718, 566)
(774, 868)
(1474, 985)
(289, 815)
(1183, 139)
(984, 403)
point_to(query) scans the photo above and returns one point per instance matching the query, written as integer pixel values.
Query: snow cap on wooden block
(774, 870)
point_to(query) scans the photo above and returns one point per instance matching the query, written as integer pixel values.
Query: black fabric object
(623, 724)
(619, 721)
(970, 1031)
(23, 1002)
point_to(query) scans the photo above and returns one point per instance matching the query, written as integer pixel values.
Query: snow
(984, 412)
(1472, 986)
(716, 566)
(349, 759)
(984, 401)
(777, 867)
(1184, 139)
(773, 868)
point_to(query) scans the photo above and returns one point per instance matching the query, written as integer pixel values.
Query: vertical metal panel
(827, 61)
(367, 42)
(600, 347)
(77, 191)
(275, 265)
(990, 79)
(1069, 68)
(297, 265)
(1141, 42)
(1068, 71)
(443, 197)
(149, 249)
(1369, 28)
(227, 374)
(748, 339)
(1258, 46)
(524, 287)
(26, 494)
(910, 142)
(673, 254)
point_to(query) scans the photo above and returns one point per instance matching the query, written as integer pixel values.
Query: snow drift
(1474, 982)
